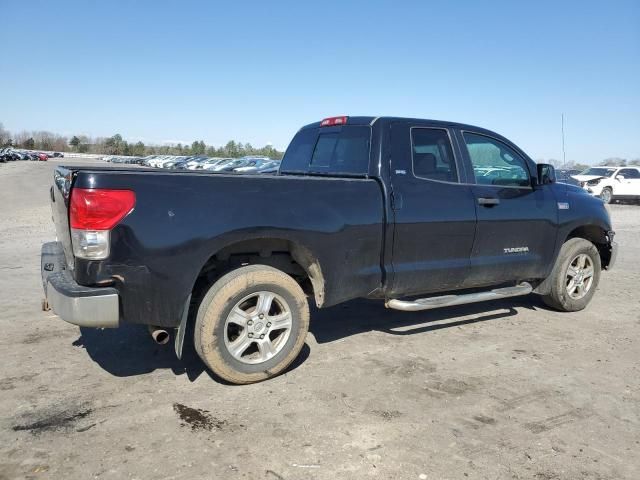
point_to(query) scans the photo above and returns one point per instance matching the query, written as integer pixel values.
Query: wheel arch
(597, 235)
(592, 232)
(285, 254)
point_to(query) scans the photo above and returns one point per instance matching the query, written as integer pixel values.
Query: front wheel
(575, 276)
(251, 324)
(606, 195)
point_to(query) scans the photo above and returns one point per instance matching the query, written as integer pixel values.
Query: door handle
(488, 202)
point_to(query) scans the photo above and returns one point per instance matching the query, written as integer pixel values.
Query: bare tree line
(116, 145)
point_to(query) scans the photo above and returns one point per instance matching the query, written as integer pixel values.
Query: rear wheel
(606, 195)
(251, 324)
(575, 276)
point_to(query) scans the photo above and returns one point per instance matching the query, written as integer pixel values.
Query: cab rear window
(333, 150)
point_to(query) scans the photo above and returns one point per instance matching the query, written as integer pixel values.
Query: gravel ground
(497, 390)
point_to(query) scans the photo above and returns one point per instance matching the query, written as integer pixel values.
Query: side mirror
(619, 177)
(546, 174)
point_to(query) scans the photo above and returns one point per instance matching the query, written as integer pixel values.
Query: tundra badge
(516, 250)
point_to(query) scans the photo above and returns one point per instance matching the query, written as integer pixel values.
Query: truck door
(434, 212)
(517, 221)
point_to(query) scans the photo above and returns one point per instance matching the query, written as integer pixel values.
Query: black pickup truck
(383, 208)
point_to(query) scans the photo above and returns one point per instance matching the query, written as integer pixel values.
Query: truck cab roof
(371, 120)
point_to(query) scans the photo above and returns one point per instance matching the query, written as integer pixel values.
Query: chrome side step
(450, 300)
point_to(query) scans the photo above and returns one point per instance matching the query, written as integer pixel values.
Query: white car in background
(211, 163)
(228, 165)
(193, 163)
(259, 165)
(611, 183)
(163, 161)
(157, 160)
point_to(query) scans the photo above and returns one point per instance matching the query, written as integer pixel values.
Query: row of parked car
(9, 154)
(250, 164)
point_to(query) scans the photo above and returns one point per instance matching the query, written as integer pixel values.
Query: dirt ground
(498, 390)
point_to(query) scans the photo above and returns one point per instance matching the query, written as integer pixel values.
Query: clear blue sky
(257, 70)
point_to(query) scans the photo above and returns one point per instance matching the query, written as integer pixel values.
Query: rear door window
(432, 155)
(629, 173)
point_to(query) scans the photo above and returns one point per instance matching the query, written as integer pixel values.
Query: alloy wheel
(579, 278)
(258, 327)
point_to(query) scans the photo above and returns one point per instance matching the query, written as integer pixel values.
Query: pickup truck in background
(383, 208)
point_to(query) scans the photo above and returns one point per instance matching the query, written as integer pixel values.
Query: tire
(565, 295)
(228, 316)
(606, 195)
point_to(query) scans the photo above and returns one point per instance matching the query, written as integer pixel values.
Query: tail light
(92, 215)
(333, 121)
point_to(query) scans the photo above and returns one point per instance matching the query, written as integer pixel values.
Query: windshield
(599, 171)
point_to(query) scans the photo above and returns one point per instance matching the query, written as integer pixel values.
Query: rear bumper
(76, 304)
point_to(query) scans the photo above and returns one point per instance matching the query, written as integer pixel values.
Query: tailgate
(60, 191)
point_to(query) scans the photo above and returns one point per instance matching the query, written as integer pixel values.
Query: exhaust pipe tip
(159, 335)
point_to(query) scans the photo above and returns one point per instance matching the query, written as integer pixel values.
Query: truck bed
(182, 219)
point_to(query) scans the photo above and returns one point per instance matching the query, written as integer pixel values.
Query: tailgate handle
(488, 202)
